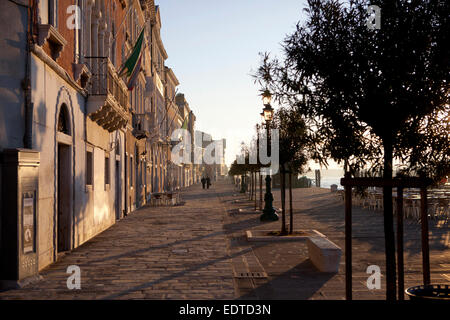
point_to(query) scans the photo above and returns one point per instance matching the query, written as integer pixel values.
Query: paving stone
(193, 252)
(182, 251)
(288, 264)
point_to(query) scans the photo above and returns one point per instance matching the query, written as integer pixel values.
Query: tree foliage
(292, 140)
(360, 89)
(370, 95)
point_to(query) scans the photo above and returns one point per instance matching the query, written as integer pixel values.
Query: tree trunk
(260, 191)
(291, 213)
(251, 186)
(254, 187)
(389, 237)
(283, 199)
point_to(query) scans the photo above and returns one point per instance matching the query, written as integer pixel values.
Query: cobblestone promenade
(199, 251)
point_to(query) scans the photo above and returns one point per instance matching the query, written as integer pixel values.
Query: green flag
(131, 62)
(185, 123)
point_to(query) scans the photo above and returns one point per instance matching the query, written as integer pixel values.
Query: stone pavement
(154, 253)
(291, 274)
(199, 251)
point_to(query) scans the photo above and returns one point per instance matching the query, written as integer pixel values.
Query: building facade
(211, 156)
(100, 141)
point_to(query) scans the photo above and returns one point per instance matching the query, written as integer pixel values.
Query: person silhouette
(208, 182)
(203, 182)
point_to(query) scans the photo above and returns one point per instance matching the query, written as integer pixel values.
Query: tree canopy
(363, 89)
(370, 95)
(292, 140)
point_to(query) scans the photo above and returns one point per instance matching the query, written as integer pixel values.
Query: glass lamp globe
(268, 113)
(267, 98)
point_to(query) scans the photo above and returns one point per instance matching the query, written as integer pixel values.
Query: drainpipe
(26, 83)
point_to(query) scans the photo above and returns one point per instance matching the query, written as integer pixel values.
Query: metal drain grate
(180, 251)
(258, 275)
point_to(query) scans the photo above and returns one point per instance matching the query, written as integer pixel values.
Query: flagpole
(145, 23)
(177, 112)
(120, 26)
(165, 115)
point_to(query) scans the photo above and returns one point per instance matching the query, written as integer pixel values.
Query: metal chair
(157, 199)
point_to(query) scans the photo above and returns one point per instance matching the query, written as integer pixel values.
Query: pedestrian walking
(203, 182)
(208, 182)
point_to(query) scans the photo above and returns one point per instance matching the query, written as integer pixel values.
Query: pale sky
(213, 48)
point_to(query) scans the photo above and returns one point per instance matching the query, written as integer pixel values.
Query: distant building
(215, 168)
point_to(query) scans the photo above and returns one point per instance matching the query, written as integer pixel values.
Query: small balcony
(141, 125)
(107, 102)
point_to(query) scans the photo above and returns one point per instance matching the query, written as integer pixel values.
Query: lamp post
(267, 114)
(259, 171)
(242, 184)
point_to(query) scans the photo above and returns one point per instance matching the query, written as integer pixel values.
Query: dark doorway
(118, 193)
(126, 186)
(64, 197)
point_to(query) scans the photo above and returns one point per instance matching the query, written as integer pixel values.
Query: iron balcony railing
(142, 122)
(105, 81)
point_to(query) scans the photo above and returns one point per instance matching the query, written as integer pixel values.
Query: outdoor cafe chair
(371, 201)
(170, 198)
(410, 208)
(376, 201)
(443, 207)
(157, 199)
(340, 195)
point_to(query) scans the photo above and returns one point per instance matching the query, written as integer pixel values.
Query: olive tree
(370, 95)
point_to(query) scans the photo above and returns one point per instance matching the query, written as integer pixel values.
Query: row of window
(49, 12)
(107, 167)
(107, 173)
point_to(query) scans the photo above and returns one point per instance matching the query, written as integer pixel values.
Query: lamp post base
(268, 212)
(269, 215)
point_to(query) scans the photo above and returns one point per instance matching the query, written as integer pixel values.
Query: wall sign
(28, 224)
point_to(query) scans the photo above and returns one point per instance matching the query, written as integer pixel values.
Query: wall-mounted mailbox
(19, 216)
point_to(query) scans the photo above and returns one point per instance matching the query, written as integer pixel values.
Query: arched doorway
(64, 180)
(118, 184)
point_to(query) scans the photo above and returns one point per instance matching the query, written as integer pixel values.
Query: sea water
(327, 177)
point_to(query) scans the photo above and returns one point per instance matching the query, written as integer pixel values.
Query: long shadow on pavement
(298, 283)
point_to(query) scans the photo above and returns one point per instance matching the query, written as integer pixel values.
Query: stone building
(98, 148)
(174, 122)
(212, 161)
(189, 169)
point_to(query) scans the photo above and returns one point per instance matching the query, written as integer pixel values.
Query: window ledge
(49, 33)
(64, 138)
(81, 73)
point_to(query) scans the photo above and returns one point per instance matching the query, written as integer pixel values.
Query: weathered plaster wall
(12, 72)
(92, 211)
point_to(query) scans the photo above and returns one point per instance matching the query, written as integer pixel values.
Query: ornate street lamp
(267, 114)
(242, 184)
